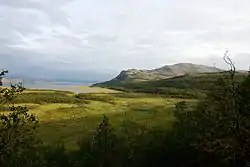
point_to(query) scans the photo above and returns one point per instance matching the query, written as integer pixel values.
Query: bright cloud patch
(114, 35)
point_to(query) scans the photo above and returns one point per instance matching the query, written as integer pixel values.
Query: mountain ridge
(165, 72)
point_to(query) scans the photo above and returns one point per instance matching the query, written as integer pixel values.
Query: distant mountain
(42, 75)
(21, 66)
(184, 86)
(134, 75)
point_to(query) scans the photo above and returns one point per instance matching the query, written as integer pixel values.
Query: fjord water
(55, 85)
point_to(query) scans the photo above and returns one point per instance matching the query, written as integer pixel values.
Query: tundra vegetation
(176, 127)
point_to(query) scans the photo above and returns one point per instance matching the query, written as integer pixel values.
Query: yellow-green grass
(38, 90)
(69, 122)
(97, 89)
(70, 89)
(48, 91)
(74, 89)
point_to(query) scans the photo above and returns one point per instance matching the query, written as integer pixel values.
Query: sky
(106, 36)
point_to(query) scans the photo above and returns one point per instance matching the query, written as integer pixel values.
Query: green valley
(129, 122)
(67, 117)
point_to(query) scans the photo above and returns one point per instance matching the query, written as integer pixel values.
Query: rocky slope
(161, 73)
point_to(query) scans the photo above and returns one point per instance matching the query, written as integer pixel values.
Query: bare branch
(229, 61)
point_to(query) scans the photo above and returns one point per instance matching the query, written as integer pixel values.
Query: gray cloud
(113, 35)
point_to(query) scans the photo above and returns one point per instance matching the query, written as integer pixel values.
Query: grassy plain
(67, 117)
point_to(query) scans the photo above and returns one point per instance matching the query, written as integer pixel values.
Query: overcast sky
(111, 35)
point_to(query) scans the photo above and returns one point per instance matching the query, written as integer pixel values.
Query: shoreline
(70, 88)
